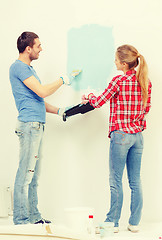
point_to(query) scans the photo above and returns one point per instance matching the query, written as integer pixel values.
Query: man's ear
(28, 49)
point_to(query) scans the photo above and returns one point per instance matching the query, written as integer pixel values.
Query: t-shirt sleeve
(23, 72)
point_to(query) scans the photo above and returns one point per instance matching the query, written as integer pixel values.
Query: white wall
(75, 164)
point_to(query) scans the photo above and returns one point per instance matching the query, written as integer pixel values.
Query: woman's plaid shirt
(127, 112)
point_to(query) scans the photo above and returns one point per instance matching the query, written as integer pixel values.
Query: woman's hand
(85, 99)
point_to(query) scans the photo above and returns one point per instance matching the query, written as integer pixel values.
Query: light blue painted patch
(91, 49)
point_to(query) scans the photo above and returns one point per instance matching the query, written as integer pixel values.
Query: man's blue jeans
(125, 149)
(25, 189)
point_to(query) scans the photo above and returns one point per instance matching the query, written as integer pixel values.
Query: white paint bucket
(77, 218)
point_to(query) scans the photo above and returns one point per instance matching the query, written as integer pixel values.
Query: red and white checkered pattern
(127, 112)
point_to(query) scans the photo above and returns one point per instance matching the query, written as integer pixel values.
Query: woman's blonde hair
(130, 55)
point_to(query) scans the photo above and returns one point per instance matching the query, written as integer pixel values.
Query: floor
(150, 231)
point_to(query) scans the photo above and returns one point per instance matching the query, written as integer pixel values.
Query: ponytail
(142, 76)
(130, 55)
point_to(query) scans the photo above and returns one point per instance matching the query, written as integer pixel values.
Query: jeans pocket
(141, 138)
(36, 125)
(121, 138)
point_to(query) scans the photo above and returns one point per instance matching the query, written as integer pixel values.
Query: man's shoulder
(19, 68)
(18, 64)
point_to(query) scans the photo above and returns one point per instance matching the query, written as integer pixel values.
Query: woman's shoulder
(117, 78)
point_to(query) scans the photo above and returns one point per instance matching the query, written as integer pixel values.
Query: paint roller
(80, 108)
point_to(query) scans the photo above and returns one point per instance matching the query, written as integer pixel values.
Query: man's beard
(33, 57)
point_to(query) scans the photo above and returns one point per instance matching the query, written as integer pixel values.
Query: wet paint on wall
(91, 48)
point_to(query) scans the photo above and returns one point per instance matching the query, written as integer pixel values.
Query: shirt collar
(130, 72)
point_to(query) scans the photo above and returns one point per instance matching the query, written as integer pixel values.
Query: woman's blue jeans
(25, 189)
(125, 149)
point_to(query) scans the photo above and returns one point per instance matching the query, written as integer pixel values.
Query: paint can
(77, 218)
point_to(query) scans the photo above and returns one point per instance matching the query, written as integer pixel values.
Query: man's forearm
(49, 89)
(51, 109)
(42, 90)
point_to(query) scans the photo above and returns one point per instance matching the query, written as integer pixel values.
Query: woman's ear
(125, 66)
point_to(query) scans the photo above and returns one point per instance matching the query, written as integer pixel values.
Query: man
(29, 96)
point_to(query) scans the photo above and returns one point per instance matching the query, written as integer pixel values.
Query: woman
(130, 101)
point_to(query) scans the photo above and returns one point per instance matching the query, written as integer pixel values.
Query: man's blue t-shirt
(30, 106)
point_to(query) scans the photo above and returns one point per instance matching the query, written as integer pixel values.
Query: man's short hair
(26, 39)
